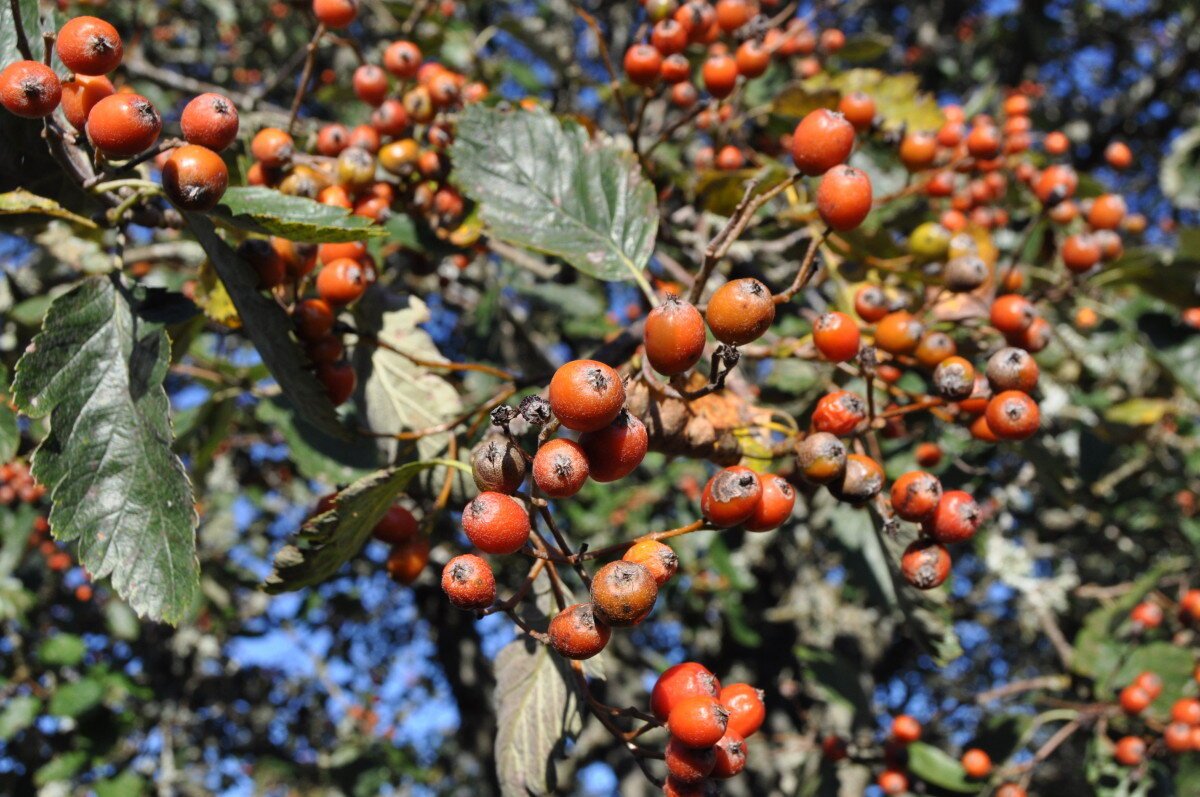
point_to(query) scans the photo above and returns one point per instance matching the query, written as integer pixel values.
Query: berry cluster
(122, 125)
(17, 485)
(398, 528)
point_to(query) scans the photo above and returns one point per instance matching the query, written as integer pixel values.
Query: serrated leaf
(17, 715)
(270, 329)
(76, 698)
(62, 650)
(398, 394)
(327, 541)
(936, 767)
(268, 212)
(213, 298)
(537, 711)
(21, 201)
(96, 369)
(317, 455)
(545, 185)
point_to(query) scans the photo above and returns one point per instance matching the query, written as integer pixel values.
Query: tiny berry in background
(577, 633)
(1118, 155)
(496, 523)
(30, 89)
(469, 583)
(681, 681)
(698, 721)
(823, 139)
(1134, 700)
(1130, 751)
(731, 496)
(210, 120)
(1150, 682)
(905, 729)
(89, 46)
(407, 560)
(272, 147)
(859, 109)
(892, 782)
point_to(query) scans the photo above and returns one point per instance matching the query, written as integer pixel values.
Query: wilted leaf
(21, 201)
(327, 541)
(545, 185)
(537, 711)
(213, 299)
(269, 212)
(96, 369)
(720, 191)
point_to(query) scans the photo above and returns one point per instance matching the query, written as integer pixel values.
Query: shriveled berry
(623, 593)
(731, 496)
(497, 465)
(925, 564)
(839, 413)
(821, 457)
(916, 494)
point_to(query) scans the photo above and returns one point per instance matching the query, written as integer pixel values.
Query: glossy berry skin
(898, 333)
(954, 378)
(859, 109)
(1134, 700)
(1012, 369)
(89, 46)
(731, 756)
(81, 95)
(586, 395)
(976, 763)
(915, 495)
(616, 450)
(313, 319)
(123, 125)
(956, 518)
(746, 708)
(918, 150)
(677, 683)
(402, 59)
(560, 468)
(339, 381)
(844, 198)
(821, 458)
(210, 120)
(194, 177)
(623, 593)
(720, 74)
(396, 526)
(657, 557)
(730, 496)
(469, 583)
(272, 147)
(823, 139)
(1118, 155)
(1177, 737)
(870, 303)
(1130, 751)
(335, 13)
(643, 64)
(342, 281)
(905, 729)
(839, 413)
(752, 59)
(698, 721)
(774, 506)
(1186, 710)
(674, 336)
(577, 633)
(925, 564)
(836, 336)
(1013, 415)
(496, 523)
(740, 311)
(29, 89)
(689, 764)
(1150, 682)
(1012, 314)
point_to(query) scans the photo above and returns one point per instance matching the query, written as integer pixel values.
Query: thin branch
(806, 272)
(310, 61)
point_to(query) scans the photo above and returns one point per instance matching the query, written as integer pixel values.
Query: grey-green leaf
(17, 715)
(265, 211)
(76, 698)
(936, 767)
(537, 711)
(96, 369)
(327, 541)
(10, 435)
(269, 328)
(546, 185)
(62, 649)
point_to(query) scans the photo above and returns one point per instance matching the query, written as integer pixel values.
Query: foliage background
(360, 686)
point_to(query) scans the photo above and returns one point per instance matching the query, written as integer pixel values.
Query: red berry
(210, 120)
(740, 311)
(469, 583)
(89, 46)
(844, 197)
(560, 468)
(956, 518)
(689, 764)
(674, 336)
(977, 764)
(335, 13)
(915, 495)
(616, 450)
(396, 526)
(643, 64)
(682, 681)
(29, 89)
(194, 177)
(655, 556)
(822, 140)
(839, 413)
(746, 708)
(731, 756)
(925, 564)
(342, 281)
(774, 506)
(836, 336)
(905, 729)
(698, 721)
(730, 496)
(577, 633)
(496, 523)
(123, 125)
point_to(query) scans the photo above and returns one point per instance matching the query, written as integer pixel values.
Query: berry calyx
(469, 583)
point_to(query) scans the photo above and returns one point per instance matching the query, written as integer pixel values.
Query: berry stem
(19, 24)
(310, 61)
(807, 269)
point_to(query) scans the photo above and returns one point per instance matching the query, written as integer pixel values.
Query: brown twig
(310, 61)
(806, 271)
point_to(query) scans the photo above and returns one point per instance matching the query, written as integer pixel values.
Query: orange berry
(977, 764)
(925, 564)
(194, 177)
(402, 59)
(844, 197)
(821, 457)
(689, 764)
(656, 557)
(674, 336)
(89, 46)
(839, 413)
(335, 13)
(915, 495)
(407, 560)
(680, 682)
(616, 450)
(730, 755)
(586, 395)
(342, 281)
(1012, 314)
(730, 496)
(836, 336)
(740, 311)
(928, 455)
(898, 332)
(1130, 751)
(210, 120)
(623, 593)
(746, 708)
(370, 84)
(643, 64)
(123, 125)
(469, 583)
(496, 523)
(870, 303)
(1134, 700)
(905, 729)
(956, 518)
(560, 468)
(1118, 155)
(859, 109)
(954, 378)
(698, 721)
(1012, 415)
(30, 89)
(720, 73)
(80, 96)
(577, 633)
(823, 139)
(774, 506)
(272, 147)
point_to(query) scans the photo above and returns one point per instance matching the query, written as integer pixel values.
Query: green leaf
(270, 329)
(537, 711)
(61, 767)
(1173, 663)
(21, 201)
(327, 541)
(898, 99)
(1179, 172)
(62, 649)
(721, 191)
(315, 454)
(76, 698)
(864, 47)
(96, 369)
(18, 714)
(268, 212)
(936, 767)
(127, 784)
(546, 185)
(10, 434)
(8, 31)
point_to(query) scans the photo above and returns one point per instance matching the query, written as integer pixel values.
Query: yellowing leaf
(21, 201)
(1138, 411)
(214, 300)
